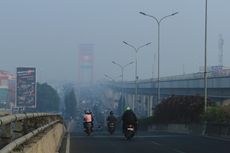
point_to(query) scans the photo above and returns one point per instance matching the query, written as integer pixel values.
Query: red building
(7, 85)
(86, 64)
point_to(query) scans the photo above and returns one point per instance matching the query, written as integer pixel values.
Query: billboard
(26, 87)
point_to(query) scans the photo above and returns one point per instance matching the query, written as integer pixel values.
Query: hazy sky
(46, 34)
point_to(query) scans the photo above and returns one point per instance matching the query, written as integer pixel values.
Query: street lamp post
(136, 49)
(122, 77)
(205, 58)
(158, 25)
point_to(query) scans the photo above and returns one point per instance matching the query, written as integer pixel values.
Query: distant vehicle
(129, 123)
(88, 122)
(111, 122)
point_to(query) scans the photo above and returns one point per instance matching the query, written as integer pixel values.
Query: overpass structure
(189, 84)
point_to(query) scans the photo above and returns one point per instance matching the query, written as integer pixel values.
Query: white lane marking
(217, 138)
(156, 143)
(121, 136)
(68, 143)
(178, 151)
(68, 138)
(157, 136)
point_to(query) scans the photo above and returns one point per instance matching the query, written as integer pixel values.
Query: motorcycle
(88, 128)
(111, 127)
(129, 131)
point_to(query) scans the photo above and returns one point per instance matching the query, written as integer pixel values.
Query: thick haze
(46, 34)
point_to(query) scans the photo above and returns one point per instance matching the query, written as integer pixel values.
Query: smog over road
(114, 76)
(47, 34)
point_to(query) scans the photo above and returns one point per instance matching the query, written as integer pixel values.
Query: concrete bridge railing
(21, 128)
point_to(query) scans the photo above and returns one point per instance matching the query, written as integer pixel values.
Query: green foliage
(70, 104)
(218, 114)
(47, 98)
(180, 109)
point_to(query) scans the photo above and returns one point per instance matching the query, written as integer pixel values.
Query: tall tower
(221, 49)
(86, 64)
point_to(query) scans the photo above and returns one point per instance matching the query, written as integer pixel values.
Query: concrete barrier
(220, 130)
(178, 128)
(47, 142)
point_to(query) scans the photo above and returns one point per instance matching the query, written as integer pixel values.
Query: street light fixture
(122, 77)
(136, 49)
(158, 23)
(108, 77)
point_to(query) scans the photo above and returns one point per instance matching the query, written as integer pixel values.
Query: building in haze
(86, 64)
(7, 89)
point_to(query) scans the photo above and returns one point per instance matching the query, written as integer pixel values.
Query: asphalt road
(144, 142)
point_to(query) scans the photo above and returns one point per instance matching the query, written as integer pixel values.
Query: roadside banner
(26, 87)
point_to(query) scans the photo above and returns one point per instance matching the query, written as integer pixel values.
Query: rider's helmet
(127, 108)
(111, 112)
(87, 112)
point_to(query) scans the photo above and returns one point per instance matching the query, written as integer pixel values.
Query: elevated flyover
(189, 84)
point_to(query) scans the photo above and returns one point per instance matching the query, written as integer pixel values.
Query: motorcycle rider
(129, 117)
(88, 118)
(111, 118)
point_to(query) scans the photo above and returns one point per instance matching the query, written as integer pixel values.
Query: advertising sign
(26, 87)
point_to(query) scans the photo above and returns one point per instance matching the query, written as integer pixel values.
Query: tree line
(48, 100)
(188, 110)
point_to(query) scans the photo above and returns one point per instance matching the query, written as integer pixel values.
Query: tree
(217, 114)
(47, 98)
(70, 104)
(180, 109)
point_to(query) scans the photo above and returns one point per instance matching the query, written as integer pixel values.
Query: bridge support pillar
(129, 100)
(150, 105)
(146, 105)
(132, 105)
(141, 104)
(125, 100)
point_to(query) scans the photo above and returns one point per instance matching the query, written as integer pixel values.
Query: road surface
(145, 142)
